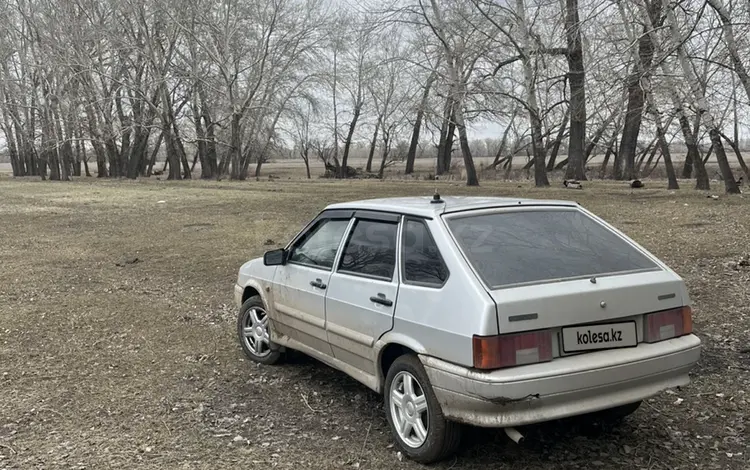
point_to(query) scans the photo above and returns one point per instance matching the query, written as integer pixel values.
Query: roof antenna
(436, 198)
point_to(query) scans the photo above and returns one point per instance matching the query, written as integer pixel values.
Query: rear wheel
(414, 414)
(254, 333)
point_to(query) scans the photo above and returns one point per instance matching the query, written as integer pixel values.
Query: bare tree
(700, 101)
(459, 61)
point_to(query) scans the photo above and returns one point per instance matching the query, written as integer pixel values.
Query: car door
(363, 289)
(300, 284)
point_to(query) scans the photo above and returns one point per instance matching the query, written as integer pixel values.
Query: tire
(254, 333)
(440, 437)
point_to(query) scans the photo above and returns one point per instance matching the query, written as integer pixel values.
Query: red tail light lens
(495, 352)
(668, 324)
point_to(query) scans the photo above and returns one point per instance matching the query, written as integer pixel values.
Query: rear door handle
(318, 283)
(380, 299)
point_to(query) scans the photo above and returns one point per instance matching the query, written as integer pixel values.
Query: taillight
(495, 352)
(668, 324)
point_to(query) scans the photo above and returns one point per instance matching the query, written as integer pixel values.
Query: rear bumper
(564, 387)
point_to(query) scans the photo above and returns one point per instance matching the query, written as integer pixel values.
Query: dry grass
(119, 367)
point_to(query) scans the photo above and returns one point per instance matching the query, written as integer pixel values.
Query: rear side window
(542, 245)
(371, 249)
(422, 261)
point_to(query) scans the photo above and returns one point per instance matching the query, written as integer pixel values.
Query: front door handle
(318, 284)
(380, 299)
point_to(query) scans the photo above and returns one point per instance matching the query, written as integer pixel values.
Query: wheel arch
(254, 287)
(390, 347)
(248, 292)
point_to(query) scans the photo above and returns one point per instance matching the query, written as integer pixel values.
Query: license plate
(605, 336)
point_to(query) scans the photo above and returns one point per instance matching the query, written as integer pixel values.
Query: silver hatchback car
(493, 312)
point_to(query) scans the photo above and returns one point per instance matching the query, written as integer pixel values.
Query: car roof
(423, 207)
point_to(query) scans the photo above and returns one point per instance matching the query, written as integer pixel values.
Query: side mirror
(274, 257)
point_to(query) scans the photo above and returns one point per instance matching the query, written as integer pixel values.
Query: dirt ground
(137, 366)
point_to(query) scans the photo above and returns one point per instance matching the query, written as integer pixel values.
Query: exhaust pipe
(515, 436)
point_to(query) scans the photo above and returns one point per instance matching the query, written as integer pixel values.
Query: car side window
(422, 261)
(318, 247)
(371, 249)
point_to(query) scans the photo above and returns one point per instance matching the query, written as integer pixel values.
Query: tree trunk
(196, 155)
(38, 167)
(84, 156)
(212, 168)
(236, 147)
(73, 154)
(134, 158)
(412, 155)
(661, 137)
(186, 174)
(450, 138)
(463, 140)
(509, 166)
(373, 144)
(445, 144)
(63, 146)
(306, 158)
(576, 79)
(386, 150)
(126, 126)
(735, 146)
(212, 165)
(200, 136)
(85, 159)
(605, 162)
(77, 165)
(625, 159)
(16, 136)
(540, 174)
(14, 163)
(730, 184)
(137, 152)
(173, 157)
(692, 148)
(693, 158)
(154, 153)
(49, 143)
(101, 162)
(335, 105)
(558, 142)
(12, 149)
(671, 174)
(347, 145)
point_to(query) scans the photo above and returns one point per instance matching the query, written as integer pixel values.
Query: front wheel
(414, 414)
(254, 333)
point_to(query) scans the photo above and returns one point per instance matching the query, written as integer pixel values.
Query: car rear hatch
(561, 270)
(584, 301)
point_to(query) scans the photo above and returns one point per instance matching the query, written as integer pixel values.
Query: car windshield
(529, 246)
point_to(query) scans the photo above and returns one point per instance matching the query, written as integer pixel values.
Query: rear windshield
(542, 245)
